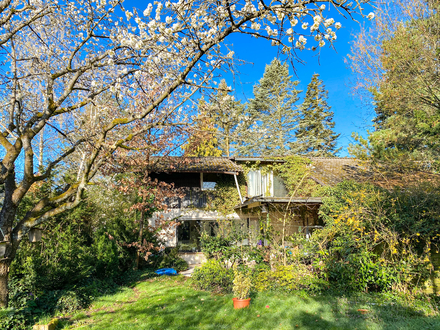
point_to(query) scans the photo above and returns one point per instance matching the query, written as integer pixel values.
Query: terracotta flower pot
(241, 303)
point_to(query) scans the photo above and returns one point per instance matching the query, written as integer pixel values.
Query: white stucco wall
(185, 214)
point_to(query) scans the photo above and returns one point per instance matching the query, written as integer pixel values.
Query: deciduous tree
(61, 59)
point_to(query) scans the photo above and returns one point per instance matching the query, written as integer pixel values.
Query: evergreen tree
(203, 141)
(314, 135)
(229, 118)
(274, 107)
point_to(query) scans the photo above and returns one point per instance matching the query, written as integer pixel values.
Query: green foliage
(229, 118)
(107, 257)
(314, 135)
(225, 197)
(295, 172)
(213, 276)
(377, 240)
(171, 259)
(78, 259)
(406, 90)
(217, 247)
(203, 142)
(289, 278)
(241, 285)
(274, 107)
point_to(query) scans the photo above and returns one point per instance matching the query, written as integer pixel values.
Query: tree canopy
(91, 78)
(403, 81)
(314, 134)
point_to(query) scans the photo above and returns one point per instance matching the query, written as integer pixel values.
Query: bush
(14, 319)
(213, 276)
(288, 278)
(376, 239)
(217, 247)
(242, 285)
(171, 259)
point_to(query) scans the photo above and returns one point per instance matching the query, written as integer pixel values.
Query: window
(265, 185)
(260, 184)
(208, 181)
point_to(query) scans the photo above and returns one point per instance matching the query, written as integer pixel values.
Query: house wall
(170, 237)
(298, 221)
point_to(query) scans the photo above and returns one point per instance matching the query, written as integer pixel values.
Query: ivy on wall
(225, 195)
(294, 170)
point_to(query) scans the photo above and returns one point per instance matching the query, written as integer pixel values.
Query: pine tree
(274, 107)
(314, 135)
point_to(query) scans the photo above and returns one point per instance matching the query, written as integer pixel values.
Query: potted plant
(241, 289)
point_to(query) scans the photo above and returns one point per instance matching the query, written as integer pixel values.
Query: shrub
(217, 247)
(242, 285)
(171, 259)
(288, 278)
(213, 276)
(376, 239)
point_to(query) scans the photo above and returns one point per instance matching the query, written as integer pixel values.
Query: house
(197, 177)
(264, 197)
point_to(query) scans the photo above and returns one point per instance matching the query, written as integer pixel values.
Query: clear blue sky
(351, 114)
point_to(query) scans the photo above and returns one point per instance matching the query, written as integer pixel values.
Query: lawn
(171, 303)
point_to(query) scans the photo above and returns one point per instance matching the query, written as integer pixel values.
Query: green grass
(171, 303)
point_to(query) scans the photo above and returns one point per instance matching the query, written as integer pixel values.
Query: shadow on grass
(169, 304)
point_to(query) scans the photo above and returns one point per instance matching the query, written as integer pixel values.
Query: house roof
(259, 159)
(257, 201)
(194, 165)
(331, 171)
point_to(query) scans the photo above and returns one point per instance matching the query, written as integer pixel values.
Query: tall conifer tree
(203, 141)
(274, 105)
(314, 135)
(229, 118)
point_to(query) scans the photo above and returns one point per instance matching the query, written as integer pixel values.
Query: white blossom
(317, 19)
(329, 22)
(314, 27)
(338, 25)
(370, 15)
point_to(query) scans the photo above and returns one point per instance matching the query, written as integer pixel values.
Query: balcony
(193, 198)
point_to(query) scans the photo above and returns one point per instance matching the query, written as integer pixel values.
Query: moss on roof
(194, 164)
(331, 171)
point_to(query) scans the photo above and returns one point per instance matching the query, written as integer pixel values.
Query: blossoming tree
(84, 78)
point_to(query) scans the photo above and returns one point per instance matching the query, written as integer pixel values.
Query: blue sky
(351, 113)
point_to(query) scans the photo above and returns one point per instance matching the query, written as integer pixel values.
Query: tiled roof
(331, 171)
(194, 164)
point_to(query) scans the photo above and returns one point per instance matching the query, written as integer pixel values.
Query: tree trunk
(7, 216)
(141, 236)
(4, 274)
